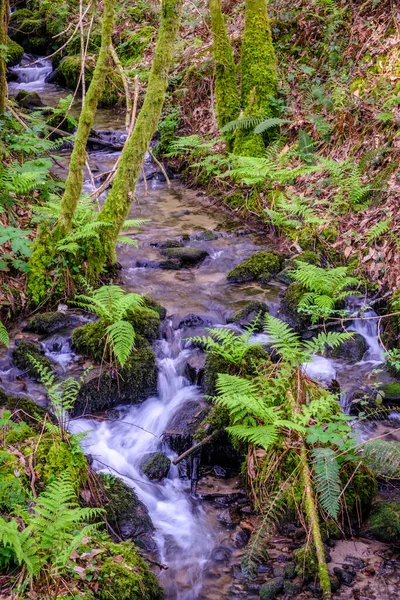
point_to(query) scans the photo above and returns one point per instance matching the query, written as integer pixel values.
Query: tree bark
(116, 207)
(227, 103)
(4, 18)
(74, 183)
(259, 75)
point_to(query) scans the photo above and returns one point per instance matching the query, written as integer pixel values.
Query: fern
(269, 123)
(121, 337)
(327, 480)
(232, 346)
(4, 338)
(248, 122)
(383, 458)
(378, 230)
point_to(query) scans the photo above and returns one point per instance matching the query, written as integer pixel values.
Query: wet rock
(360, 400)
(206, 236)
(127, 515)
(179, 433)
(270, 590)
(259, 267)
(351, 350)
(221, 554)
(289, 307)
(170, 265)
(157, 466)
(14, 53)
(195, 367)
(171, 244)
(265, 569)
(290, 570)
(291, 589)
(186, 257)
(247, 315)
(241, 538)
(21, 358)
(136, 381)
(390, 391)
(49, 322)
(220, 472)
(384, 522)
(354, 562)
(343, 576)
(28, 100)
(279, 571)
(191, 320)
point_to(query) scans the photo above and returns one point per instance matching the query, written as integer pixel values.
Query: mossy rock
(271, 589)
(216, 364)
(185, 257)
(259, 267)
(68, 73)
(127, 515)
(351, 350)
(157, 466)
(28, 100)
(135, 43)
(55, 456)
(360, 491)
(21, 354)
(125, 575)
(14, 487)
(133, 384)
(249, 313)
(286, 275)
(289, 307)
(384, 522)
(306, 562)
(14, 53)
(49, 322)
(150, 303)
(28, 28)
(391, 391)
(146, 322)
(24, 407)
(171, 244)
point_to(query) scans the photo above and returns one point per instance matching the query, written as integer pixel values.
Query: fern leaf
(378, 230)
(327, 480)
(4, 338)
(269, 123)
(242, 123)
(383, 458)
(127, 241)
(121, 337)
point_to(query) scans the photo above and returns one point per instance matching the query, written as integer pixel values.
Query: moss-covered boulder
(351, 350)
(21, 405)
(21, 358)
(286, 275)
(384, 522)
(185, 257)
(289, 307)
(125, 575)
(161, 310)
(132, 384)
(49, 322)
(271, 589)
(360, 491)
(390, 391)
(54, 456)
(14, 487)
(28, 100)
(306, 562)
(135, 43)
(127, 515)
(68, 73)
(146, 322)
(157, 466)
(249, 313)
(14, 53)
(259, 267)
(28, 28)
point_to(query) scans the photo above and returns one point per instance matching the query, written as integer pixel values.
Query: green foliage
(4, 338)
(52, 530)
(194, 145)
(60, 115)
(327, 480)
(383, 458)
(227, 343)
(326, 288)
(113, 305)
(378, 230)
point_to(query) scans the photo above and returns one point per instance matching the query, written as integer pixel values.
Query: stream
(192, 536)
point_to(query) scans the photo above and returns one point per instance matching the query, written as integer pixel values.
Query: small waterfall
(120, 447)
(31, 77)
(58, 349)
(367, 326)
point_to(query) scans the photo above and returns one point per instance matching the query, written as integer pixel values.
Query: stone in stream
(127, 515)
(185, 257)
(351, 350)
(271, 589)
(291, 589)
(14, 53)
(28, 100)
(21, 358)
(288, 310)
(206, 236)
(179, 433)
(384, 522)
(259, 267)
(247, 315)
(343, 576)
(49, 322)
(157, 466)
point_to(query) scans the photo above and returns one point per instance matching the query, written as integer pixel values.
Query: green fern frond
(133, 224)
(332, 339)
(122, 338)
(242, 123)
(4, 337)
(378, 230)
(127, 241)
(327, 480)
(269, 123)
(383, 458)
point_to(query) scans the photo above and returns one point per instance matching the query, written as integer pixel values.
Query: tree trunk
(227, 103)
(259, 75)
(4, 18)
(74, 183)
(116, 207)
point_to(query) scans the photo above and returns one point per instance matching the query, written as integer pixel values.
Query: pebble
(344, 576)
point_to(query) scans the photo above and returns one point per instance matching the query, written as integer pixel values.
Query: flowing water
(188, 536)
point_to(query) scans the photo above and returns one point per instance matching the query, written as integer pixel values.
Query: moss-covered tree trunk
(74, 183)
(116, 207)
(45, 247)
(4, 17)
(258, 73)
(227, 103)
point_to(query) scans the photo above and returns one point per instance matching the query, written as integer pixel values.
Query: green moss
(134, 45)
(217, 420)
(18, 433)
(259, 76)
(48, 322)
(157, 466)
(306, 562)
(227, 104)
(125, 575)
(146, 322)
(68, 73)
(247, 315)
(384, 522)
(21, 354)
(259, 267)
(89, 339)
(185, 257)
(14, 485)
(391, 390)
(14, 53)
(24, 406)
(150, 303)
(289, 307)
(360, 491)
(55, 456)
